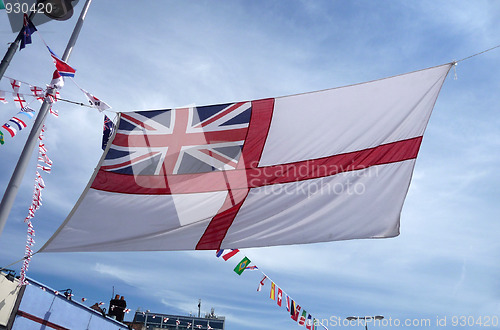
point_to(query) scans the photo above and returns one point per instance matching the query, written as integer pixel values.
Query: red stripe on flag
(258, 128)
(321, 167)
(259, 176)
(162, 140)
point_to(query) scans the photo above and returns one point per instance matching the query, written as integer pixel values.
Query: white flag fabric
(2, 97)
(315, 167)
(57, 81)
(95, 102)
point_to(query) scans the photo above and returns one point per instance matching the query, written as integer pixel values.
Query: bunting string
(188, 325)
(39, 94)
(476, 54)
(23, 101)
(16, 123)
(44, 164)
(297, 313)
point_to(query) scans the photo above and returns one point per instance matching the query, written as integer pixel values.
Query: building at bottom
(36, 306)
(153, 321)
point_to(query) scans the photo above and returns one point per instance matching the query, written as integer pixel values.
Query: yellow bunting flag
(273, 291)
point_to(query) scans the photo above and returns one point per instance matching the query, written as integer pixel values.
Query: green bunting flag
(1, 134)
(2, 6)
(242, 265)
(298, 314)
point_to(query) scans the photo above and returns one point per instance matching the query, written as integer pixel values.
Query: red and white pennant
(35, 204)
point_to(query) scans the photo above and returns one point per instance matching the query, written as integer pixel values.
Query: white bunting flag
(16, 84)
(2, 97)
(95, 102)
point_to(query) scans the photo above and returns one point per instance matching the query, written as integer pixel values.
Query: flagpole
(12, 49)
(22, 163)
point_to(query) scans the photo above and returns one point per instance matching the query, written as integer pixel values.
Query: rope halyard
(484, 51)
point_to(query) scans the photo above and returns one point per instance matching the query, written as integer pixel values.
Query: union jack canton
(179, 141)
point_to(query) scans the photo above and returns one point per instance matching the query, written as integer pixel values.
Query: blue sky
(152, 54)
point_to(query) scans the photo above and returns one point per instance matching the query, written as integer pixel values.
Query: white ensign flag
(315, 167)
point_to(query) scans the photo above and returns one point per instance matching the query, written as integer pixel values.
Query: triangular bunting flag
(64, 69)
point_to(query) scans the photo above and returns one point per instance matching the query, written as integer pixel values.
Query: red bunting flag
(42, 147)
(43, 168)
(280, 296)
(16, 84)
(62, 67)
(261, 283)
(19, 101)
(302, 319)
(230, 254)
(38, 92)
(53, 112)
(36, 202)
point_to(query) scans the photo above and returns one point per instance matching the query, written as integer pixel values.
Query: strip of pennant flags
(44, 164)
(26, 113)
(189, 325)
(283, 300)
